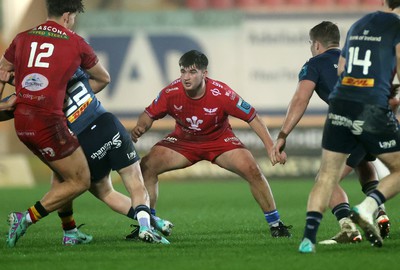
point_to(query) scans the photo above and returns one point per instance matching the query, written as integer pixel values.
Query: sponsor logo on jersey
(131, 155)
(48, 151)
(216, 84)
(113, 144)
(230, 94)
(170, 139)
(350, 81)
(78, 112)
(355, 126)
(26, 133)
(194, 122)
(35, 82)
(216, 92)
(171, 89)
(210, 111)
(32, 97)
(303, 71)
(48, 31)
(244, 106)
(178, 108)
(364, 37)
(387, 144)
(233, 140)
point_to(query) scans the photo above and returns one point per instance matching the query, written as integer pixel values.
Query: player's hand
(5, 76)
(136, 132)
(277, 154)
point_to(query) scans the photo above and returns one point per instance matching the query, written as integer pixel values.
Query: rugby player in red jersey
(43, 60)
(200, 107)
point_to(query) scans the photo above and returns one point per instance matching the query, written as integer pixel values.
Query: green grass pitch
(218, 225)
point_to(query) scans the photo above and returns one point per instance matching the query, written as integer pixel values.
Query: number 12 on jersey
(37, 57)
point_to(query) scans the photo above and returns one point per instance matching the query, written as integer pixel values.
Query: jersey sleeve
(236, 106)
(9, 54)
(89, 57)
(309, 72)
(158, 108)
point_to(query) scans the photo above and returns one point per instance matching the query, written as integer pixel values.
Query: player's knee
(254, 173)
(82, 180)
(147, 167)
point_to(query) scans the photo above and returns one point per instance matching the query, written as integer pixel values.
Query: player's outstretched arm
(259, 127)
(143, 124)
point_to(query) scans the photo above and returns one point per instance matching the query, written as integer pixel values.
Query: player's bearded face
(192, 77)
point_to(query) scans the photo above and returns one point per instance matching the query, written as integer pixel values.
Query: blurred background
(255, 46)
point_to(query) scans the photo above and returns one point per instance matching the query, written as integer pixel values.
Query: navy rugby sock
(370, 186)
(313, 219)
(342, 210)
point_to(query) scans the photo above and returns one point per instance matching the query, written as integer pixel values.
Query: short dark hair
(56, 8)
(327, 33)
(194, 57)
(392, 4)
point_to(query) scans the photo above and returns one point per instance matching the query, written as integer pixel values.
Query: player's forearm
(99, 77)
(97, 85)
(295, 112)
(144, 121)
(261, 129)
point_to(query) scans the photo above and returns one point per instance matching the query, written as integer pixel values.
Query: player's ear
(65, 17)
(205, 72)
(317, 45)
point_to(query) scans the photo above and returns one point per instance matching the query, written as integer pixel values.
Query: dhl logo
(350, 81)
(79, 111)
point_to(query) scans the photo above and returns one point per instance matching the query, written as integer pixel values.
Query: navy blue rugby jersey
(81, 106)
(322, 70)
(370, 59)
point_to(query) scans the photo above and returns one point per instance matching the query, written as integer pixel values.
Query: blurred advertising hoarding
(259, 56)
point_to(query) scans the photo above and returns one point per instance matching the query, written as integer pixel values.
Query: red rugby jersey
(44, 59)
(200, 119)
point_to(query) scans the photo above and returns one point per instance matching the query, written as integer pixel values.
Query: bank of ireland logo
(194, 123)
(35, 82)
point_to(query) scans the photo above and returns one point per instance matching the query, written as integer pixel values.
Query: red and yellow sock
(36, 212)
(67, 220)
